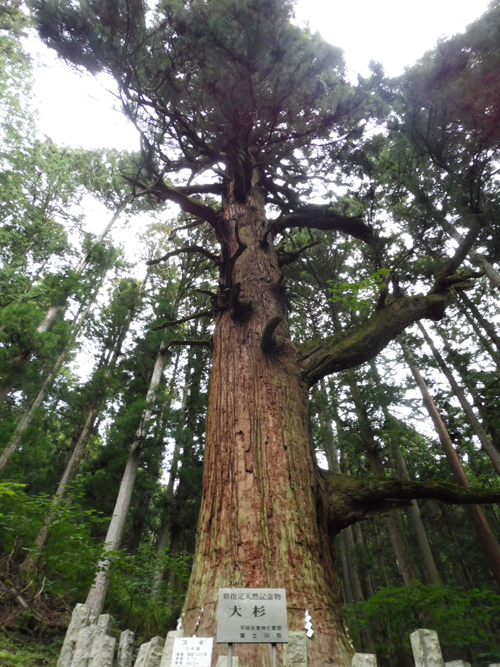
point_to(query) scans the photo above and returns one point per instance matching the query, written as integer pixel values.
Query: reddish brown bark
(259, 523)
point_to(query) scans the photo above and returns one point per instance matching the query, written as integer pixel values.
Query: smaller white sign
(192, 652)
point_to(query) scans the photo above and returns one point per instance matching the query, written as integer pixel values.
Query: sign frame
(250, 608)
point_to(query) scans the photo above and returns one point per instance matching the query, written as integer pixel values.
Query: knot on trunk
(269, 343)
(240, 310)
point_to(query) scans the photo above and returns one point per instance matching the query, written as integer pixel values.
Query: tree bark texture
(259, 523)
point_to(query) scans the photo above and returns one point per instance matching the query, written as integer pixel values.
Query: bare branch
(173, 323)
(188, 249)
(325, 218)
(193, 343)
(290, 257)
(351, 499)
(187, 204)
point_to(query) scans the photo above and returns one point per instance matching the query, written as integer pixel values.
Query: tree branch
(188, 205)
(351, 348)
(207, 342)
(173, 323)
(290, 257)
(325, 218)
(189, 249)
(350, 499)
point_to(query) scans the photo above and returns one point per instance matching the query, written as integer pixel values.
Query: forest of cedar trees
(296, 383)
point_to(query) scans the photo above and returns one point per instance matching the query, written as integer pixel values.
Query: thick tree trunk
(259, 523)
(486, 443)
(483, 530)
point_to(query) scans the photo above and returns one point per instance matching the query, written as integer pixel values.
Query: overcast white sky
(76, 111)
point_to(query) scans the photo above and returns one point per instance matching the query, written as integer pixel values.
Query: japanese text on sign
(252, 616)
(192, 652)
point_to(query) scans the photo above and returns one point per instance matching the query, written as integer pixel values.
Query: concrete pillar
(426, 649)
(83, 646)
(79, 620)
(105, 623)
(296, 649)
(102, 651)
(457, 663)
(166, 658)
(125, 649)
(150, 654)
(223, 661)
(94, 647)
(364, 660)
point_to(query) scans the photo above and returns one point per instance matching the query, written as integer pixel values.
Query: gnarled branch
(289, 257)
(173, 323)
(188, 249)
(203, 342)
(350, 499)
(351, 348)
(325, 218)
(186, 204)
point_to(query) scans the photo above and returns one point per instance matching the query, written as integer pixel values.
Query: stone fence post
(364, 660)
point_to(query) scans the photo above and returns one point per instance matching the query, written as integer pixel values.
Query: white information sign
(252, 616)
(192, 652)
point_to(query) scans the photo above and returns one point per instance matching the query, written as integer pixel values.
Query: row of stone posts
(426, 653)
(89, 643)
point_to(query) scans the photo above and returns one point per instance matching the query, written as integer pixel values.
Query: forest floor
(21, 650)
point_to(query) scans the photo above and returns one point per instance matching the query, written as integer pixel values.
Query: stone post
(83, 646)
(426, 649)
(102, 651)
(364, 660)
(222, 661)
(125, 649)
(457, 663)
(150, 654)
(79, 620)
(94, 647)
(166, 658)
(296, 649)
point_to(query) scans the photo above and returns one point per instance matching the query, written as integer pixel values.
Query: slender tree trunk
(487, 326)
(430, 568)
(97, 594)
(482, 338)
(31, 560)
(163, 537)
(259, 524)
(487, 413)
(51, 314)
(486, 443)
(476, 257)
(404, 556)
(483, 530)
(28, 415)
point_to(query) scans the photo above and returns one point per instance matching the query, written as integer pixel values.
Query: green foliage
(23, 651)
(466, 622)
(130, 595)
(361, 294)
